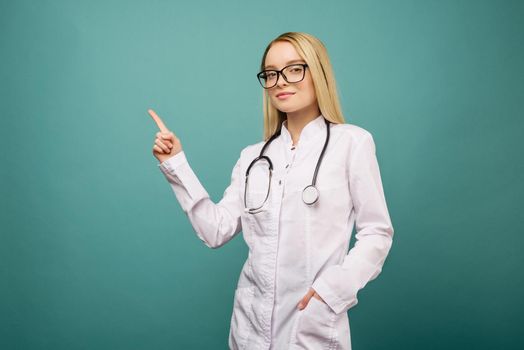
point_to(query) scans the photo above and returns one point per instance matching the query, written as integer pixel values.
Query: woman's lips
(284, 96)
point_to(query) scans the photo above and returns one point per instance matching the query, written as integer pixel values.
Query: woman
(299, 279)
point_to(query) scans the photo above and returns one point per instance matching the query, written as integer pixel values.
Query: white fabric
(293, 246)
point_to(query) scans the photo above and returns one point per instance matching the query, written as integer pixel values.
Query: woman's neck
(297, 120)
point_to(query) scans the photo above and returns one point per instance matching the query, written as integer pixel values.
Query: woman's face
(281, 54)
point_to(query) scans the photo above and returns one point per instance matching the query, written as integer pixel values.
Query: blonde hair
(315, 54)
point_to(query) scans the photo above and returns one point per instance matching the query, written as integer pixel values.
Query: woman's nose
(281, 81)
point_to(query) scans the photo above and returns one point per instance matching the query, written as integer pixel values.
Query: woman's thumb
(168, 136)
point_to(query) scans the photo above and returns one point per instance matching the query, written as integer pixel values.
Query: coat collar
(310, 130)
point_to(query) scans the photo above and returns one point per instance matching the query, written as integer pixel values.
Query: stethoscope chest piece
(310, 195)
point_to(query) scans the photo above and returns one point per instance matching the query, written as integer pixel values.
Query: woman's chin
(286, 109)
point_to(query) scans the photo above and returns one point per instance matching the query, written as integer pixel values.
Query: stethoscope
(310, 193)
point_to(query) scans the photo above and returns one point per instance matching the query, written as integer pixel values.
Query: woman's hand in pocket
(305, 300)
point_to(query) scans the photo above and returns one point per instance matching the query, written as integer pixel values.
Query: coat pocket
(241, 319)
(314, 327)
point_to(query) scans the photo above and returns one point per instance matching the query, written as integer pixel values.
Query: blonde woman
(296, 196)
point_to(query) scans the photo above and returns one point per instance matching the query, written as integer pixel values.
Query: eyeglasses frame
(281, 73)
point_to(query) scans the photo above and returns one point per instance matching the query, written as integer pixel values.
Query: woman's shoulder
(251, 150)
(351, 132)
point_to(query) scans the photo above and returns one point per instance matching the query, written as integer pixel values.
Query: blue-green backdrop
(95, 251)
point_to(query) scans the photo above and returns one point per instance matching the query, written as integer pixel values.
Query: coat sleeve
(214, 223)
(338, 284)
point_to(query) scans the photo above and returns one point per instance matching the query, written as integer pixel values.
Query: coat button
(280, 182)
(287, 166)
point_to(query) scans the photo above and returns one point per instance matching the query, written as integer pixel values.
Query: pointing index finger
(158, 121)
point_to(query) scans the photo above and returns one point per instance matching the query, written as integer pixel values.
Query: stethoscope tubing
(310, 193)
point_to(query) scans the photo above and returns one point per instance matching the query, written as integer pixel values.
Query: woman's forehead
(281, 54)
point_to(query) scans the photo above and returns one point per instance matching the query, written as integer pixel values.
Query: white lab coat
(293, 246)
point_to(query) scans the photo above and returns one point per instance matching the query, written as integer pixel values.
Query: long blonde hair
(315, 54)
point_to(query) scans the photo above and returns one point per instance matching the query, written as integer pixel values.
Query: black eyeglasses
(292, 74)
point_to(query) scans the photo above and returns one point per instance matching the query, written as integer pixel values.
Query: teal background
(95, 251)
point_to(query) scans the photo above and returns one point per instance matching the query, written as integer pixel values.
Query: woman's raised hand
(166, 143)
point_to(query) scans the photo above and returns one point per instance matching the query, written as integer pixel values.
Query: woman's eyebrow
(292, 61)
